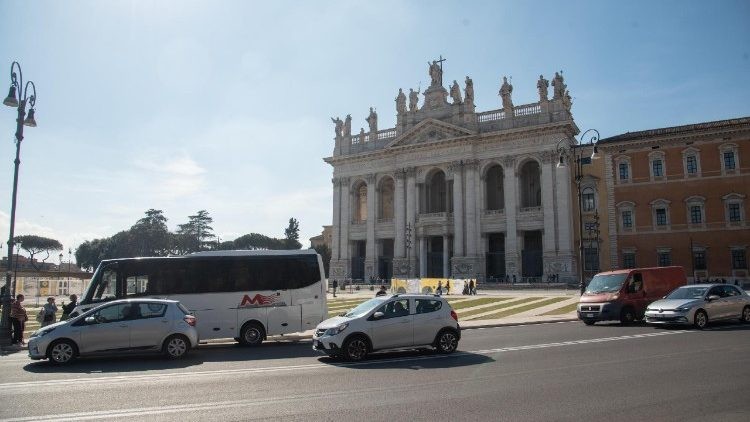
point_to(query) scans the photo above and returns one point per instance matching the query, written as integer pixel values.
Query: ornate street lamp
(18, 96)
(575, 154)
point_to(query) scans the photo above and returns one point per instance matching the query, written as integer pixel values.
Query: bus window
(135, 285)
(107, 288)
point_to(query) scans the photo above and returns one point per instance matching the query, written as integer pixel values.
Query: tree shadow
(412, 359)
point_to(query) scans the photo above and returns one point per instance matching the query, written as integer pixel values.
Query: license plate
(589, 315)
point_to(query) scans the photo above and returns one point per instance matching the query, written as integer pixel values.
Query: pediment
(427, 131)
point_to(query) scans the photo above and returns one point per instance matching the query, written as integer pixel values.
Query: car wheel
(589, 321)
(176, 346)
(61, 352)
(700, 320)
(447, 342)
(745, 315)
(252, 334)
(355, 348)
(627, 315)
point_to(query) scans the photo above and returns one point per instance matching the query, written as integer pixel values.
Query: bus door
(283, 314)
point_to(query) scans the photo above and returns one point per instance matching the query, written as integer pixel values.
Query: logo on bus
(257, 300)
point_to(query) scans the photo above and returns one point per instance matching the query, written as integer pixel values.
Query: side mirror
(90, 320)
(711, 298)
(378, 315)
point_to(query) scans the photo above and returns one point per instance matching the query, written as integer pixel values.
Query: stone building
(452, 192)
(678, 196)
(324, 238)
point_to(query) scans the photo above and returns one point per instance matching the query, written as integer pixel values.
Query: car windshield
(688, 293)
(365, 307)
(609, 283)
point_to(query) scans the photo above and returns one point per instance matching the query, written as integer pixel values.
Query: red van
(624, 294)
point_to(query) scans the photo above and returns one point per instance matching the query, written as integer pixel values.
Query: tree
(291, 235)
(37, 244)
(196, 234)
(325, 254)
(151, 236)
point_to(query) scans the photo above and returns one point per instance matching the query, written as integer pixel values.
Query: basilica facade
(452, 192)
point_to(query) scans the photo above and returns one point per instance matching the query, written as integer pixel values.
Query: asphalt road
(549, 372)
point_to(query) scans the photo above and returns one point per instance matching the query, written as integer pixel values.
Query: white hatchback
(395, 322)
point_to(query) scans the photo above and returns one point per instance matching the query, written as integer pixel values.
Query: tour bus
(245, 295)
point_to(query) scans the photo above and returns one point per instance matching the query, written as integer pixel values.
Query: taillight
(190, 320)
(454, 315)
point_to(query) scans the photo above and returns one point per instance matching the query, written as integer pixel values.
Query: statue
(559, 85)
(542, 86)
(436, 73)
(567, 100)
(348, 126)
(400, 102)
(372, 120)
(469, 91)
(505, 91)
(339, 125)
(456, 93)
(413, 99)
(361, 135)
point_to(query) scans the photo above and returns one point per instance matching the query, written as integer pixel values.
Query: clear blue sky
(225, 105)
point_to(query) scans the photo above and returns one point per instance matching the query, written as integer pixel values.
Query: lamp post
(575, 154)
(18, 96)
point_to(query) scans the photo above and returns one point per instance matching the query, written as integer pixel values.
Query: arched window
(437, 195)
(494, 185)
(531, 188)
(360, 192)
(588, 199)
(386, 199)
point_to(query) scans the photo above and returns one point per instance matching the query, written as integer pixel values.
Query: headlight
(39, 333)
(683, 309)
(335, 330)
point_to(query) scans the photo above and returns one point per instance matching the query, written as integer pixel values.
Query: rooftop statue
(567, 100)
(456, 93)
(436, 73)
(401, 102)
(348, 126)
(505, 92)
(542, 86)
(372, 120)
(339, 126)
(469, 91)
(413, 99)
(559, 86)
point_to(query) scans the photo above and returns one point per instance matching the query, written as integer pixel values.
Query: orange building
(678, 196)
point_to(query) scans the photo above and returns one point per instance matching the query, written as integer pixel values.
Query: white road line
(119, 379)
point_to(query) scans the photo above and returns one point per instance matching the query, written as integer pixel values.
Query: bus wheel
(252, 334)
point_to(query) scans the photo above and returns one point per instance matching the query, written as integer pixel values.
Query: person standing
(440, 288)
(50, 309)
(18, 319)
(335, 286)
(68, 309)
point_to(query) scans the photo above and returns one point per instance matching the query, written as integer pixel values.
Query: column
(471, 209)
(565, 219)
(346, 218)
(335, 251)
(422, 257)
(411, 216)
(370, 250)
(446, 256)
(510, 182)
(458, 209)
(548, 204)
(399, 247)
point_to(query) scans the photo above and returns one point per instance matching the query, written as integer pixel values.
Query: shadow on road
(414, 360)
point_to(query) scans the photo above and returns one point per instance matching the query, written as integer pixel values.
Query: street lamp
(18, 96)
(575, 154)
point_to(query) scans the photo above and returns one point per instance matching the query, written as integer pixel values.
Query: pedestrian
(467, 289)
(472, 287)
(447, 287)
(50, 311)
(18, 318)
(68, 309)
(382, 291)
(335, 285)
(440, 288)
(514, 279)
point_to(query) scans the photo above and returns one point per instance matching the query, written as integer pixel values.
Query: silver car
(120, 326)
(698, 304)
(396, 322)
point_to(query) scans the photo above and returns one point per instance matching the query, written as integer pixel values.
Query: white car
(699, 304)
(395, 322)
(120, 326)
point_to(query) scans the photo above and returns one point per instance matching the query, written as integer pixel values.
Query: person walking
(382, 291)
(18, 318)
(447, 287)
(68, 309)
(472, 287)
(335, 285)
(440, 288)
(50, 311)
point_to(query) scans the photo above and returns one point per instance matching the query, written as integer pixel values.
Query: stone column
(458, 208)
(400, 265)
(548, 205)
(472, 235)
(346, 218)
(370, 250)
(422, 257)
(510, 182)
(411, 217)
(565, 266)
(335, 251)
(446, 256)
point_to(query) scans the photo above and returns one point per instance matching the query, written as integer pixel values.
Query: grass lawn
(564, 310)
(520, 309)
(475, 302)
(502, 305)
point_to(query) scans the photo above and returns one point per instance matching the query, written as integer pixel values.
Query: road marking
(119, 379)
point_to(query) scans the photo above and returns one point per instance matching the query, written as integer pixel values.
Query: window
(691, 161)
(657, 160)
(590, 259)
(151, 310)
(657, 168)
(424, 306)
(664, 258)
(691, 164)
(661, 217)
(394, 309)
(587, 197)
(627, 219)
(729, 160)
(696, 216)
(699, 259)
(112, 313)
(739, 259)
(660, 214)
(628, 259)
(734, 206)
(734, 212)
(624, 172)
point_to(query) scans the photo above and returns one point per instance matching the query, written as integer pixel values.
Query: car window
(114, 313)
(395, 308)
(730, 291)
(424, 306)
(715, 291)
(152, 310)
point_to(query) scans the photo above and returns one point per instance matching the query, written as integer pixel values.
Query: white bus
(245, 295)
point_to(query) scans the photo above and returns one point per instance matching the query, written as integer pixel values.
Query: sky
(225, 105)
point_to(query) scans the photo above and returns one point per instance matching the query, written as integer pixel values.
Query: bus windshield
(608, 283)
(103, 285)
